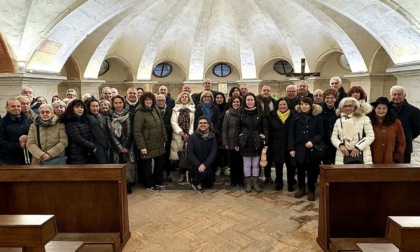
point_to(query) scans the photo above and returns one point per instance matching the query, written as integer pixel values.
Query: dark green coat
(149, 132)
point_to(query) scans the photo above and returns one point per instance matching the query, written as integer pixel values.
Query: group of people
(148, 131)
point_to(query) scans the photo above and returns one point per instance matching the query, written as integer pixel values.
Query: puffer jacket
(80, 149)
(177, 141)
(250, 125)
(362, 139)
(229, 127)
(301, 131)
(279, 131)
(149, 132)
(53, 140)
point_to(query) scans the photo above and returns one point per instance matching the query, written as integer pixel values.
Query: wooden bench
(404, 232)
(82, 198)
(54, 246)
(350, 244)
(377, 247)
(356, 200)
(31, 232)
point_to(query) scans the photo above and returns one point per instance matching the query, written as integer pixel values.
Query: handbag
(353, 160)
(184, 163)
(52, 161)
(55, 161)
(130, 168)
(318, 150)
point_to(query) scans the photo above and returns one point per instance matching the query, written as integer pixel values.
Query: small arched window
(283, 67)
(104, 68)
(221, 70)
(162, 70)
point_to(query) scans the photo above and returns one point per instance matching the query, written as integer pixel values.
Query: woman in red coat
(389, 144)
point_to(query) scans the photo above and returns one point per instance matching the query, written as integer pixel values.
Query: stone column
(82, 87)
(42, 85)
(375, 85)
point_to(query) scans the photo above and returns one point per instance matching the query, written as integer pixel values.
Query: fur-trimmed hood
(316, 109)
(360, 111)
(178, 107)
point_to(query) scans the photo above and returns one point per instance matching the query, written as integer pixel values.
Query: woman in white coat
(353, 133)
(182, 122)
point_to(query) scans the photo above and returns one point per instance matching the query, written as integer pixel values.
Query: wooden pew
(355, 200)
(85, 199)
(404, 232)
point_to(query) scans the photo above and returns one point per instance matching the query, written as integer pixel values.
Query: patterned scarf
(184, 120)
(347, 124)
(118, 119)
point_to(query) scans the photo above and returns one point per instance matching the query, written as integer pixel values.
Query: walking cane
(263, 162)
(26, 155)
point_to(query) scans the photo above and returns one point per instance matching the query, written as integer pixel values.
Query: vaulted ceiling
(41, 35)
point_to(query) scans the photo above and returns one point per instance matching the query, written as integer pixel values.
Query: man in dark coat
(202, 151)
(409, 117)
(335, 82)
(303, 90)
(291, 96)
(170, 102)
(329, 117)
(207, 87)
(14, 128)
(132, 99)
(166, 113)
(268, 104)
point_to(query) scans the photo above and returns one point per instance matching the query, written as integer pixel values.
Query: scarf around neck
(207, 112)
(283, 116)
(347, 124)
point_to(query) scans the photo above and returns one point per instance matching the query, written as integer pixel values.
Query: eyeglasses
(335, 83)
(291, 91)
(207, 96)
(348, 106)
(45, 112)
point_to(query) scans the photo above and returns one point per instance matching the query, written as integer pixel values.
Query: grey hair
(46, 105)
(291, 86)
(336, 78)
(355, 102)
(60, 102)
(397, 88)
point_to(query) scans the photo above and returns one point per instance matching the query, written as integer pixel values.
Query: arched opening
(6, 64)
(71, 69)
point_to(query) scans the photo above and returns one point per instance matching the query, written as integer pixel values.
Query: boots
(181, 178)
(299, 194)
(311, 195)
(255, 184)
(248, 184)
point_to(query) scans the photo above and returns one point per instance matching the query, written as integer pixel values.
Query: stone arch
(71, 69)
(6, 64)
(234, 76)
(119, 70)
(380, 61)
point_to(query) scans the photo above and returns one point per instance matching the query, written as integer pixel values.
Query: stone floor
(221, 219)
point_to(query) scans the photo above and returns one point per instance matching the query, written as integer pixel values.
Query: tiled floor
(221, 219)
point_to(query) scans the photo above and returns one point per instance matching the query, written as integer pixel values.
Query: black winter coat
(278, 142)
(80, 149)
(200, 151)
(11, 128)
(247, 134)
(329, 117)
(99, 133)
(301, 131)
(409, 117)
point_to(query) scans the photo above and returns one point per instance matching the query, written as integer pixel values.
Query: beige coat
(176, 144)
(53, 140)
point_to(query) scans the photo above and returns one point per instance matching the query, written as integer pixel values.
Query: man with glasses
(291, 96)
(202, 151)
(207, 87)
(335, 82)
(166, 113)
(329, 117)
(25, 106)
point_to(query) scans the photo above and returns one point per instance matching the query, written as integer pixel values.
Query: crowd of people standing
(221, 135)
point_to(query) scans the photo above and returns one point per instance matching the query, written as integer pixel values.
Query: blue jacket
(11, 128)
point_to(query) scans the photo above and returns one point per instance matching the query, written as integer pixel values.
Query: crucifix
(302, 75)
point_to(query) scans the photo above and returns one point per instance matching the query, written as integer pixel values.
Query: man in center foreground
(202, 151)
